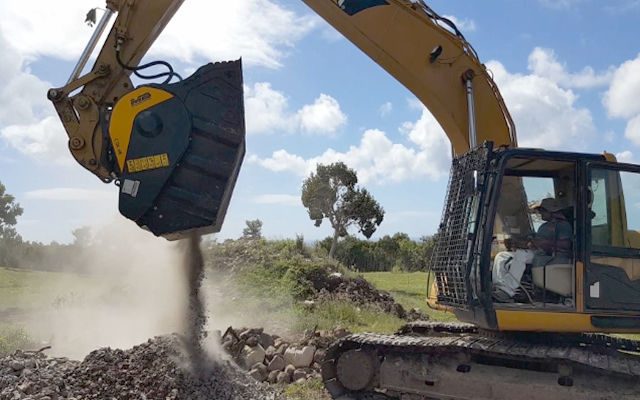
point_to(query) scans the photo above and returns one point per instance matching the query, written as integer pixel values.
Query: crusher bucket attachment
(179, 148)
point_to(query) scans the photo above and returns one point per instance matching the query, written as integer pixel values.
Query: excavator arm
(175, 149)
(137, 26)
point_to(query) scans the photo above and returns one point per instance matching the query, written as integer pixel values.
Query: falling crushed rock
(195, 316)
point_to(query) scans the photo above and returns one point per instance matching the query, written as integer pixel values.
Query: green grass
(13, 338)
(409, 289)
(312, 389)
(330, 314)
(35, 289)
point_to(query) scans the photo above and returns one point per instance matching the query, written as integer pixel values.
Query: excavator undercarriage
(457, 361)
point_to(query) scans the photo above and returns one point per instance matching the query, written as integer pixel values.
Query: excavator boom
(431, 58)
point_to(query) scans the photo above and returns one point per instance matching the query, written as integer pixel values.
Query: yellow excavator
(533, 320)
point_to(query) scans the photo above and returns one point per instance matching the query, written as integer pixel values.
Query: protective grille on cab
(456, 238)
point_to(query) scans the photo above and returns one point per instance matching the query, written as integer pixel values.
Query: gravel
(158, 369)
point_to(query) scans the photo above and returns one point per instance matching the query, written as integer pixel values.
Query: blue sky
(569, 71)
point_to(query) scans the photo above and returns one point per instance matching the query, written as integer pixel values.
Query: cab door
(612, 225)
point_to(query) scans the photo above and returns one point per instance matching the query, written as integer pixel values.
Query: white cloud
(544, 63)
(44, 140)
(545, 115)
(625, 157)
(267, 111)
(282, 199)
(376, 158)
(463, 25)
(22, 94)
(27, 119)
(323, 116)
(622, 100)
(632, 132)
(260, 31)
(385, 109)
(70, 194)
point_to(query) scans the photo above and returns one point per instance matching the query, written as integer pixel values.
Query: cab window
(615, 208)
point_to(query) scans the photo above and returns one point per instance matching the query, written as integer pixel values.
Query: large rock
(266, 340)
(270, 351)
(259, 372)
(253, 355)
(283, 377)
(300, 358)
(299, 374)
(273, 376)
(277, 363)
(289, 370)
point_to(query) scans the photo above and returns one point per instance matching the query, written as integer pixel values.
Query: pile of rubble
(359, 291)
(272, 359)
(157, 369)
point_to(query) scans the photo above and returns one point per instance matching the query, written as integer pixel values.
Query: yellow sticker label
(147, 163)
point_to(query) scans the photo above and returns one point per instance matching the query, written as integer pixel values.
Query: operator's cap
(550, 204)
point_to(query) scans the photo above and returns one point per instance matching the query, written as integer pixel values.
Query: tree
(9, 212)
(331, 193)
(82, 236)
(253, 229)
(10, 241)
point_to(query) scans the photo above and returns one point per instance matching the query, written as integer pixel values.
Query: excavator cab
(505, 262)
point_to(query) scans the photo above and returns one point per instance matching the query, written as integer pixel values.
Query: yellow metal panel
(579, 286)
(147, 163)
(125, 112)
(541, 321)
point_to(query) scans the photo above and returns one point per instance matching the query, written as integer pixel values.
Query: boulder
(283, 377)
(299, 374)
(277, 363)
(265, 340)
(289, 370)
(282, 349)
(270, 352)
(273, 376)
(253, 355)
(257, 375)
(300, 358)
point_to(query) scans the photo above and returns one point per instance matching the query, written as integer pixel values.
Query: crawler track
(454, 361)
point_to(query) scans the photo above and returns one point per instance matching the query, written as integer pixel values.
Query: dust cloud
(134, 286)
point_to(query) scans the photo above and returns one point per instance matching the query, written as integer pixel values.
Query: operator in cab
(551, 244)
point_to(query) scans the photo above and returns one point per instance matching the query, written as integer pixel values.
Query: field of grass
(409, 289)
(22, 289)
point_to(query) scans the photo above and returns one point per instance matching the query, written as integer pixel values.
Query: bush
(304, 277)
(382, 255)
(14, 338)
